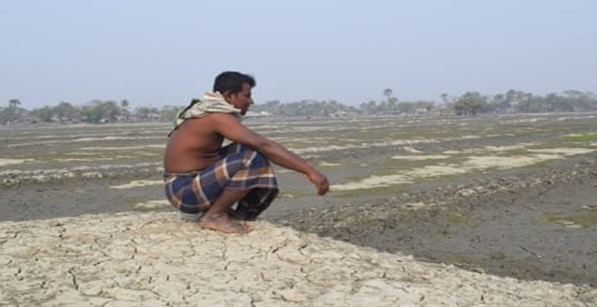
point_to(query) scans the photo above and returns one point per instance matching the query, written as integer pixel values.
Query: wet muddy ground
(509, 195)
(530, 226)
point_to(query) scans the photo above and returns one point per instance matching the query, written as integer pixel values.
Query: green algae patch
(294, 194)
(583, 217)
(587, 137)
(457, 218)
(369, 192)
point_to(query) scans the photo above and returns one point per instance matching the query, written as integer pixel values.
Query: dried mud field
(513, 196)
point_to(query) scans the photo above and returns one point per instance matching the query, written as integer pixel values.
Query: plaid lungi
(239, 167)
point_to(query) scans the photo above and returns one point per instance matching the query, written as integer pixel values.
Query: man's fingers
(323, 188)
(321, 184)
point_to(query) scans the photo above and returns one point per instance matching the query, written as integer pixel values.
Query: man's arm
(231, 128)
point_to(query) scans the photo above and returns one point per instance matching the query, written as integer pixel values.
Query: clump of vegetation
(457, 218)
(587, 137)
(582, 217)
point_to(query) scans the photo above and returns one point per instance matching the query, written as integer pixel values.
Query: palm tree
(124, 105)
(13, 103)
(387, 92)
(445, 98)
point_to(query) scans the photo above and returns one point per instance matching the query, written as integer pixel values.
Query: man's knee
(253, 158)
(260, 159)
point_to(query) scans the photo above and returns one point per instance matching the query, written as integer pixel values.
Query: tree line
(469, 103)
(513, 101)
(95, 112)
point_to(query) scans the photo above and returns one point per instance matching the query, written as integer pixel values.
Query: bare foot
(223, 223)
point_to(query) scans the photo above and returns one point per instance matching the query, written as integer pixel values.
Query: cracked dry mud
(153, 259)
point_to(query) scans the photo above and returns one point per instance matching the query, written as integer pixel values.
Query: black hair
(232, 81)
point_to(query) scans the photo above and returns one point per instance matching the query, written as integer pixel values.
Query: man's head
(236, 89)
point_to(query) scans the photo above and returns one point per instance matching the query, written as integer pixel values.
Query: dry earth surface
(153, 259)
(490, 210)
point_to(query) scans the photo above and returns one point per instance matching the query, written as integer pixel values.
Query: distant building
(258, 114)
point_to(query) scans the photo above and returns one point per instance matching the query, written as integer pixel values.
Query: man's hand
(320, 181)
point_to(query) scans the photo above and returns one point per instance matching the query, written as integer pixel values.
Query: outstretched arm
(231, 128)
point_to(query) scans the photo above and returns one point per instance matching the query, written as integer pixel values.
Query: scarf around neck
(209, 103)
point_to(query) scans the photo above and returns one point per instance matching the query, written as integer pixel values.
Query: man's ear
(227, 95)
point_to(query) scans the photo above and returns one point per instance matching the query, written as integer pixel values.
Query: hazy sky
(166, 52)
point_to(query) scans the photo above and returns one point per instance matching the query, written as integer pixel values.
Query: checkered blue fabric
(239, 167)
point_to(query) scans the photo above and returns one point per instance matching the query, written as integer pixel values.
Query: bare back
(192, 147)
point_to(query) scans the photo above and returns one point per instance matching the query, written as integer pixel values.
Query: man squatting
(202, 176)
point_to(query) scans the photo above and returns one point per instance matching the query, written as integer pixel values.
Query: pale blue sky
(166, 52)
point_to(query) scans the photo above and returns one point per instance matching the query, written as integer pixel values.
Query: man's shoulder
(212, 119)
(216, 122)
(222, 115)
(222, 119)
